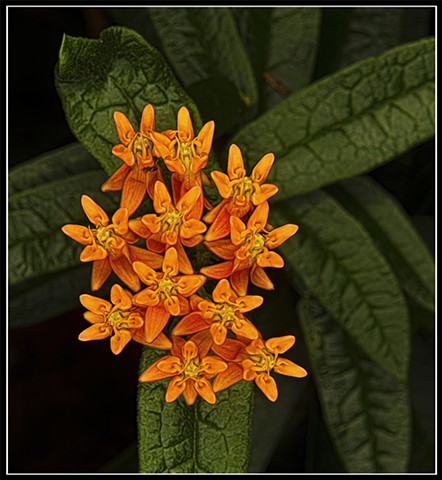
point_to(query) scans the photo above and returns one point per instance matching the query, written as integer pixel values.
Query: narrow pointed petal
(231, 350)
(223, 248)
(191, 323)
(94, 212)
(154, 322)
(262, 169)
(138, 254)
(184, 125)
(190, 394)
(97, 331)
(124, 128)
(222, 182)
(116, 181)
(147, 119)
(101, 270)
(235, 164)
(162, 342)
(124, 271)
(189, 284)
(210, 216)
(175, 389)
(119, 340)
(134, 190)
(185, 265)
(93, 252)
(176, 182)
(279, 235)
(78, 233)
(280, 344)
(218, 271)
(152, 373)
(270, 259)
(95, 304)
(260, 278)
(120, 297)
(205, 390)
(154, 245)
(287, 367)
(220, 227)
(240, 281)
(205, 136)
(233, 374)
(267, 385)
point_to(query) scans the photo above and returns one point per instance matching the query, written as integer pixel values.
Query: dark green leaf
(394, 234)
(341, 266)
(203, 438)
(120, 71)
(347, 123)
(367, 412)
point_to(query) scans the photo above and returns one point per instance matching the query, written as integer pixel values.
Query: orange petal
(93, 252)
(189, 350)
(78, 233)
(270, 259)
(137, 226)
(263, 193)
(146, 298)
(162, 199)
(218, 271)
(119, 340)
(124, 128)
(245, 328)
(185, 266)
(205, 136)
(260, 278)
(172, 305)
(205, 390)
(223, 293)
(223, 248)
(154, 244)
(116, 181)
(124, 153)
(120, 297)
(237, 230)
(240, 281)
(190, 395)
(162, 342)
(280, 344)
(235, 163)
(203, 340)
(120, 221)
(210, 217)
(249, 302)
(279, 235)
(191, 323)
(267, 385)
(155, 320)
(152, 373)
(138, 254)
(95, 304)
(101, 270)
(258, 219)
(187, 202)
(170, 365)
(220, 226)
(124, 271)
(147, 119)
(230, 350)
(262, 169)
(233, 374)
(134, 190)
(146, 273)
(170, 262)
(188, 284)
(184, 125)
(175, 389)
(98, 331)
(222, 182)
(191, 228)
(218, 332)
(94, 212)
(287, 367)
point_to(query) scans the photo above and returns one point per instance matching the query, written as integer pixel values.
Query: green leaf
(394, 234)
(120, 71)
(282, 44)
(203, 438)
(341, 266)
(367, 412)
(347, 123)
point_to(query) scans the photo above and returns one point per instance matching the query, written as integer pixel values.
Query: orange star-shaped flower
(224, 313)
(166, 293)
(109, 245)
(172, 225)
(121, 320)
(240, 192)
(139, 172)
(190, 369)
(249, 251)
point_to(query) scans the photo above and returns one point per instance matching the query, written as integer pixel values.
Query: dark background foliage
(72, 405)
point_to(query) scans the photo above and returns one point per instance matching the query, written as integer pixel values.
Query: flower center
(192, 369)
(172, 220)
(117, 319)
(242, 191)
(165, 288)
(255, 244)
(142, 148)
(224, 313)
(104, 234)
(186, 154)
(264, 361)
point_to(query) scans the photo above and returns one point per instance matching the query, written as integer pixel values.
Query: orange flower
(108, 245)
(249, 251)
(190, 371)
(166, 293)
(257, 360)
(225, 312)
(172, 225)
(186, 155)
(240, 192)
(121, 320)
(139, 172)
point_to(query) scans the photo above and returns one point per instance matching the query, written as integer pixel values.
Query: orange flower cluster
(211, 343)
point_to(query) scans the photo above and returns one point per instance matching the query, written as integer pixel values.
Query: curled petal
(124, 153)
(233, 374)
(162, 199)
(205, 136)
(170, 262)
(147, 297)
(280, 344)
(249, 302)
(189, 350)
(249, 370)
(172, 305)
(78, 233)
(267, 385)
(263, 193)
(175, 389)
(258, 219)
(97, 331)
(93, 252)
(124, 129)
(192, 227)
(120, 297)
(147, 274)
(94, 317)
(188, 284)
(95, 304)
(94, 212)
(119, 340)
(101, 269)
(223, 292)
(184, 124)
(279, 235)
(218, 332)
(205, 390)
(287, 367)
(246, 329)
(270, 259)
(222, 182)
(237, 230)
(188, 201)
(170, 365)
(262, 169)
(120, 221)
(235, 163)
(147, 119)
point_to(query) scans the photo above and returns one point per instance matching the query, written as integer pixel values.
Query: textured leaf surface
(120, 71)
(203, 438)
(367, 412)
(204, 42)
(281, 43)
(341, 266)
(349, 122)
(394, 234)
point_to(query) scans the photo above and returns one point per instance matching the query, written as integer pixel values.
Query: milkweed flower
(166, 293)
(240, 193)
(171, 225)
(109, 245)
(189, 370)
(257, 360)
(225, 312)
(138, 174)
(119, 319)
(186, 155)
(249, 250)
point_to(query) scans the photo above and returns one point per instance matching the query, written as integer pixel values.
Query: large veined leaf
(347, 123)
(203, 438)
(367, 412)
(393, 232)
(341, 266)
(281, 43)
(120, 71)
